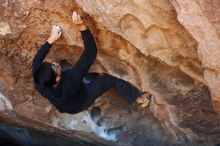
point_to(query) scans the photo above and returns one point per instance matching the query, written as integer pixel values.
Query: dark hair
(45, 74)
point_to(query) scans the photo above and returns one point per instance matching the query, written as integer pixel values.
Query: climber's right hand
(78, 21)
(55, 34)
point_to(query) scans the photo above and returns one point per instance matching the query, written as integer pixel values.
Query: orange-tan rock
(167, 47)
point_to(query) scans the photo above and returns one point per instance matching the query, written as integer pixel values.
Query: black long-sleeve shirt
(69, 96)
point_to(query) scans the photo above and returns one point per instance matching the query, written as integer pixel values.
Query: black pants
(95, 85)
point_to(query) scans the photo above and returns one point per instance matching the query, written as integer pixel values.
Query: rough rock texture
(26, 136)
(201, 19)
(167, 47)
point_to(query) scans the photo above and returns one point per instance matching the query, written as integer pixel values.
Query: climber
(74, 89)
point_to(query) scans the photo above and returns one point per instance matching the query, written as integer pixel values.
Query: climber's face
(57, 68)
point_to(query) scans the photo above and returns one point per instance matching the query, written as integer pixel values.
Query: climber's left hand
(55, 34)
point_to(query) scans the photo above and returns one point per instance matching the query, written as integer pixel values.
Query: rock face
(167, 47)
(201, 19)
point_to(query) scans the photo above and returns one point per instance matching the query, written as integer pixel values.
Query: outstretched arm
(89, 54)
(75, 75)
(42, 53)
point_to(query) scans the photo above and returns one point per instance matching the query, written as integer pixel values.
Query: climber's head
(48, 73)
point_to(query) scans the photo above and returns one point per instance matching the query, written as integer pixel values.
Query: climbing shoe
(145, 103)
